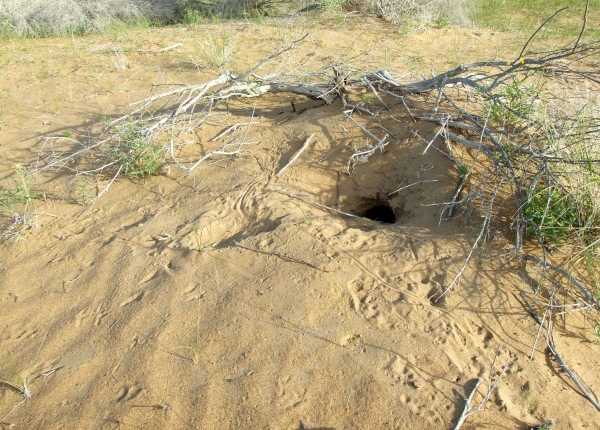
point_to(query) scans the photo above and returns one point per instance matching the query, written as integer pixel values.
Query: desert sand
(227, 299)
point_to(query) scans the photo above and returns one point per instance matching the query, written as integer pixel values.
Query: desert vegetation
(65, 17)
(521, 133)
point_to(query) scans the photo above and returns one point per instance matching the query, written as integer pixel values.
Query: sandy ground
(216, 300)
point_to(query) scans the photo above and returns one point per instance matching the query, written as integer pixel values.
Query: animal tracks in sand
(131, 299)
(100, 314)
(407, 375)
(84, 314)
(239, 214)
(20, 334)
(148, 277)
(404, 373)
(81, 316)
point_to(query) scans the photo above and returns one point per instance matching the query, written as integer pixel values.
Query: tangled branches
(524, 130)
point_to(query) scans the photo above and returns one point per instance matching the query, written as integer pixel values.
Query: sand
(225, 299)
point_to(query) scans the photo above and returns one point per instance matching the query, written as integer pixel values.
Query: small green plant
(507, 108)
(215, 51)
(366, 99)
(198, 238)
(193, 17)
(304, 217)
(546, 425)
(135, 153)
(441, 21)
(551, 215)
(463, 171)
(66, 134)
(332, 5)
(18, 192)
(531, 405)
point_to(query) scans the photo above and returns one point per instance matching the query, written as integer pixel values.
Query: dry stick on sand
(278, 254)
(552, 349)
(411, 185)
(484, 226)
(565, 368)
(362, 156)
(300, 151)
(537, 318)
(467, 411)
(319, 205)
(232, 129)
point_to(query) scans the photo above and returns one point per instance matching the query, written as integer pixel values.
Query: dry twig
(280, 255)
(468, 411)
(296, 155)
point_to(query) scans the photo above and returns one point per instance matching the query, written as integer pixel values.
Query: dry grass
(38, 18)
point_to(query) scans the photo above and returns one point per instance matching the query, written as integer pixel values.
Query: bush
(135, 154)
(40, 18)
(451, 11)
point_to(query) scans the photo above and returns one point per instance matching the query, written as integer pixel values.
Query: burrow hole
(380, 212)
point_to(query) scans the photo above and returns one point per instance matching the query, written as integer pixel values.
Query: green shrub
(510, 105)
(135, 153)
(552, 215)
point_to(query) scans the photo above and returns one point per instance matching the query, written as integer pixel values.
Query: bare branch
(280, 255)
(565, 368)
(300, 151)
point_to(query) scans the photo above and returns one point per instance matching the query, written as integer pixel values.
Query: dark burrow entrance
(380, 212)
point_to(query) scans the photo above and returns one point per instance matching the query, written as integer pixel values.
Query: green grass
(525, 16)
(512, 103)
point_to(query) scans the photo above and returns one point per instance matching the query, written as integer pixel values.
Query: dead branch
(231, 130)
(363, 156)
(482, 231)
(588, 296)
(300, 151)
(531, 310)
(319, 205)
(467, 411)
(413, 184)
(375, 92)
(565, 368)
(467, 406)
(280, 255)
